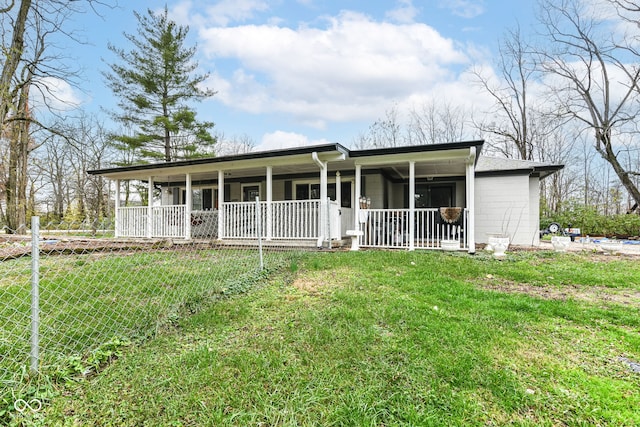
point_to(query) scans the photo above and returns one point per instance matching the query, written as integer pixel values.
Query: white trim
(269, 218)
(117, 210)
(150, 207)
(220, 204)
(356, 200)
(338, 182)
(188, 206)
(470, 189)
(412, 203)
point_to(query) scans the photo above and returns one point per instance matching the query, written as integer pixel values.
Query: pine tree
(153, 82)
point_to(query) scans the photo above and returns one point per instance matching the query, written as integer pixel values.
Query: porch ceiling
(430, 161)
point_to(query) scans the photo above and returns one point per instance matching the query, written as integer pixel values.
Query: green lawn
(387, 339)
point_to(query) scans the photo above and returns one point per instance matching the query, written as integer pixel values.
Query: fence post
(35, 294)
(259, 231)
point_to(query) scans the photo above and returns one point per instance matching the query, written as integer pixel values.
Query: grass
(389, 338)
(93, 305)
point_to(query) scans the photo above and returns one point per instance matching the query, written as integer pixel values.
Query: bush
(593, 223)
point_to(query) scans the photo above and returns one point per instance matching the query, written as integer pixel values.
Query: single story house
(412, 197)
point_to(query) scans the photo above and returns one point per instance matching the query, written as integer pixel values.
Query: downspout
(322, 229)
(471, 203)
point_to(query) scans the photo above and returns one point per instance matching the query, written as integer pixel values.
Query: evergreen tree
(153, 82)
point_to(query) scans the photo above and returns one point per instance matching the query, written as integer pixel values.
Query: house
(412, 197)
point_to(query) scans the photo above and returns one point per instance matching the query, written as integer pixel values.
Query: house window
(311, 191)
(202, 198)
(250, 192)
(432, 195)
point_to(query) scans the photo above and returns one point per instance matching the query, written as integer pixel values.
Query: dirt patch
(590, 294)
(18, 247)
(318, 283)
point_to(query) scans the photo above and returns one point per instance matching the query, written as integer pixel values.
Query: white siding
(503, 205)
(534, 211)
(375, 190)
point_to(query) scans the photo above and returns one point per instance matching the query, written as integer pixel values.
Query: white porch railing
(132, 222)
(389, 228)
(294, 220)
(167, 221)
(347, 220)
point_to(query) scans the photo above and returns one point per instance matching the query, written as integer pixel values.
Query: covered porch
(405, 197)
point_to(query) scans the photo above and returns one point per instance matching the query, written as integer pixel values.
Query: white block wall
(504, 204)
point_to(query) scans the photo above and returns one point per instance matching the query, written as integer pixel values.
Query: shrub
(593, 223)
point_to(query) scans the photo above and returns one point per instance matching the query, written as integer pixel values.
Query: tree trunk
(621, 172)
(12, 59)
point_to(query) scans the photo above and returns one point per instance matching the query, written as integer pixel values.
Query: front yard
(390, 338)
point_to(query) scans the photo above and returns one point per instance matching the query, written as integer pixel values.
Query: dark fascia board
(540, 171)
(211, 160)
(419, 149)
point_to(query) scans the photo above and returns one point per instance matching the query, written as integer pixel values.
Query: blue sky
(298, 72)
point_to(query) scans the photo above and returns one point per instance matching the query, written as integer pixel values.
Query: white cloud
(405, 13)
(464, 8)
(280, 140)
(54, 93)
(351, 69)
(221, 13)
(227, 11)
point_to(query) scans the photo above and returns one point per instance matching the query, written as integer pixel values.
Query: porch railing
(390, 228)
(294, 220)
(167, 221)
(132, 222)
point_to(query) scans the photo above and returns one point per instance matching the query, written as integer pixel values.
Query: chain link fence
(72, 295)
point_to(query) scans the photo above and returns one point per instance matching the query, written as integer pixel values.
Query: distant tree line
(570, 95)
(45, 151)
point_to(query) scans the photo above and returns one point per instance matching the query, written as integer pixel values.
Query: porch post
(357, 195)
(323, 231)
(150, 208)
(187, 209)
(220, 204)
(269, 200)
(470, 231)
(338, 189)
(412, 204)
(116, 206)
(324, 207)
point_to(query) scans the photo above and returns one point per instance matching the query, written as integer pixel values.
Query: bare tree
(30, 61)
(591, 78)
(516, 122)
(386, 132)
(436, 123)
(53, 163)
(239, 144)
